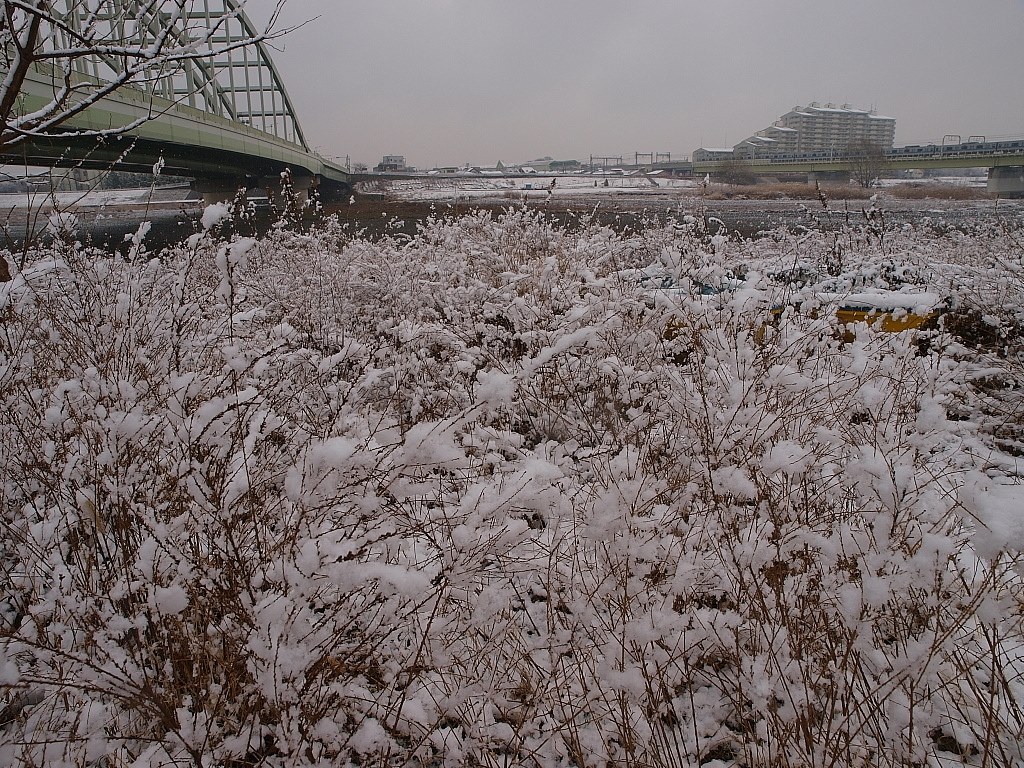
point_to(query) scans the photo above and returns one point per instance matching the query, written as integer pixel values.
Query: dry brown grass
(925, 190)
(788, 191)
(914, 190)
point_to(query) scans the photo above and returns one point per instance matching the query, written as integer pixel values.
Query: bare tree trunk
(24, 49)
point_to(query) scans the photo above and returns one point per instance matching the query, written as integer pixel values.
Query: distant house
(392, 163)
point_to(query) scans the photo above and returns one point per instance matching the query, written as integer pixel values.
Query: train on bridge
(980, 149)
(963, 149)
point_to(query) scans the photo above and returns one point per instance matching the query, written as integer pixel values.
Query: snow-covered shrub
(484, 497)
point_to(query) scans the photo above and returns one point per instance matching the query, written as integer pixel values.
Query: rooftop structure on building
(820, 128)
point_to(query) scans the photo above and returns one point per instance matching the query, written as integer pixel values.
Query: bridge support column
(217, 191)
(301, 186)
(223, 190)
(1006, 181)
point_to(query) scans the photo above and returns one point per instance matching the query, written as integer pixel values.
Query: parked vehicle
(885, 311)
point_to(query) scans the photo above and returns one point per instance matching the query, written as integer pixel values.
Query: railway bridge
(1004, 160)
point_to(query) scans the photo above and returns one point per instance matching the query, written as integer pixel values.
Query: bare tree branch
(867, 161)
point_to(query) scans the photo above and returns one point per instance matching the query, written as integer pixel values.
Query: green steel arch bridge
(224, 120)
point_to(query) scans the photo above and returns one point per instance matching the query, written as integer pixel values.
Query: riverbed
(106, 218)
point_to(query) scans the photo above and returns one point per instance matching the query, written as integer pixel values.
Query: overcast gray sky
(446, 82)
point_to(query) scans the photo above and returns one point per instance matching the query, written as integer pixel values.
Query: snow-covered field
(494, 496)
(102, 198)
(598, 187)
(478, 188)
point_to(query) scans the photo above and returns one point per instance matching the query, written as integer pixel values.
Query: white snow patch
(999, 510)
(735, 480)
(214, 215)
(495, 388)
(170, 600)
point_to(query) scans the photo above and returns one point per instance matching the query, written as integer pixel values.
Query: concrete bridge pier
(301, 187)
(219, 190)
(223, 190)
(1006, 181)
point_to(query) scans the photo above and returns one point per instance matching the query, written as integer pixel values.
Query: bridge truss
(225, 69)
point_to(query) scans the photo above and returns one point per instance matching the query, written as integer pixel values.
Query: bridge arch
(233, 78)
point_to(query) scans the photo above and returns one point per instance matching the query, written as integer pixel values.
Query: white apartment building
(820, 128)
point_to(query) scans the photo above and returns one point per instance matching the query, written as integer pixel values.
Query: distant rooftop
(815, 107)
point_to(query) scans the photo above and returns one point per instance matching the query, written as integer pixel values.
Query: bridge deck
(783, 165)
(190, 141)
